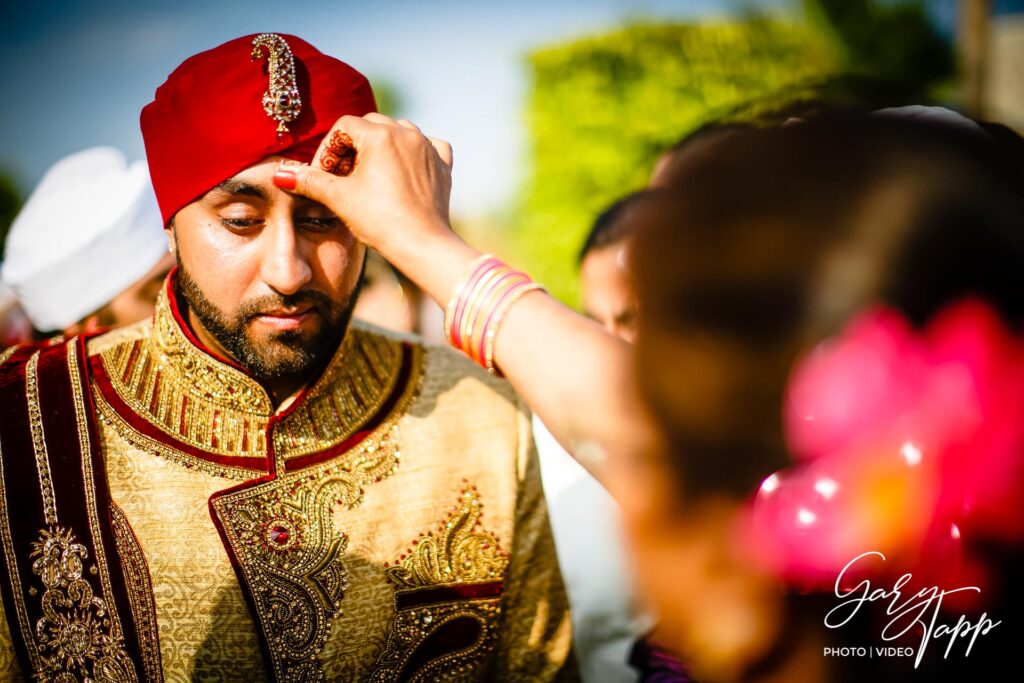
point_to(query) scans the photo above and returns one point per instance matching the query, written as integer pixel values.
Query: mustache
(312, 298)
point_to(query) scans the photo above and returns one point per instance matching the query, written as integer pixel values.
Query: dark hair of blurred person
(766, 243)
(607, 288)
(665, 168)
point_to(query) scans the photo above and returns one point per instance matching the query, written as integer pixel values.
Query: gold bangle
(499, 315)
(488, 302)
(479, 302)
(471, 309)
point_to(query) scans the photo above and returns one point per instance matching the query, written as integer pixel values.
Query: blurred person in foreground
(249, 486)
(831, 341)
(87, 250)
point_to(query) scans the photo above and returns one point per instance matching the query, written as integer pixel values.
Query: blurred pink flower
(907, 442)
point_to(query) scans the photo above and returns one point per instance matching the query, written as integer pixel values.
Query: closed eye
(240, 224)
(318, 223)
(627, 317)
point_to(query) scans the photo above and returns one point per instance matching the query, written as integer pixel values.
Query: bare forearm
(574, 375)
(570, 372)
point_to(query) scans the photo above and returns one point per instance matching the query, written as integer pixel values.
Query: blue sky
(76, 74)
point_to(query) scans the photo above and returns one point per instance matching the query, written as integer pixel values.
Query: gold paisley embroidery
(412, 628)
(140, 593)
(441, 634)
(461, 552)
(283, 537)
(212, 406)
(75, 635)
(286, 543)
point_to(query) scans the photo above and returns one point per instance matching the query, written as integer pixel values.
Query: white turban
(89, 231)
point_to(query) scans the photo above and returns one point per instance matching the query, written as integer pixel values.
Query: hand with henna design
(339, 156)
(384, 178)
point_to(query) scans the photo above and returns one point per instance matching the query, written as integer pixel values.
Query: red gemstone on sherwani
(279, 534)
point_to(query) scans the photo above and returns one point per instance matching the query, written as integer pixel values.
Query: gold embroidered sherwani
(387, 525)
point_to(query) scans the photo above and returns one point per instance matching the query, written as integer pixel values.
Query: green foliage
(602, 109)
(890, 42)
(389, 99)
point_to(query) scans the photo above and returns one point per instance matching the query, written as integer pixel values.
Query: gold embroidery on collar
(282, 535)
(76, 636)
(211, 406)
(110, 417)
(359, 379)
(187, 393)
(461, 553)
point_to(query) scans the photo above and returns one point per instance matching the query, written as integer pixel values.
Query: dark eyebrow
(233, 186)
(307, 203)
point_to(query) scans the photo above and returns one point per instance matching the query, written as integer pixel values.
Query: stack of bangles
(480, 303)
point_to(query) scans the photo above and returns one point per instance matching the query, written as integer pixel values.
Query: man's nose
(285, 267)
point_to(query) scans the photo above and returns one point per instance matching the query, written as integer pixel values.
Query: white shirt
(592, 558)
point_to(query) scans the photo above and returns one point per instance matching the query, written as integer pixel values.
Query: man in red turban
(250, 485)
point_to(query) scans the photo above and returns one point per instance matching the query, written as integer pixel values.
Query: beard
(282, 354)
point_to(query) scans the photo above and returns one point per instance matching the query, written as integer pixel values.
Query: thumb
(314, 183)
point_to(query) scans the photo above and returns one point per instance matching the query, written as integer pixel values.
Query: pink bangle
(489, 301)
(465, 300)
(454, 309)
(476, 296)
(479, 303)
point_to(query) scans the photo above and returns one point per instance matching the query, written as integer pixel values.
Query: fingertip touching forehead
(233, 106)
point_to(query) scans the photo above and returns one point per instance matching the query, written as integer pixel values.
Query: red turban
(210, 119)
